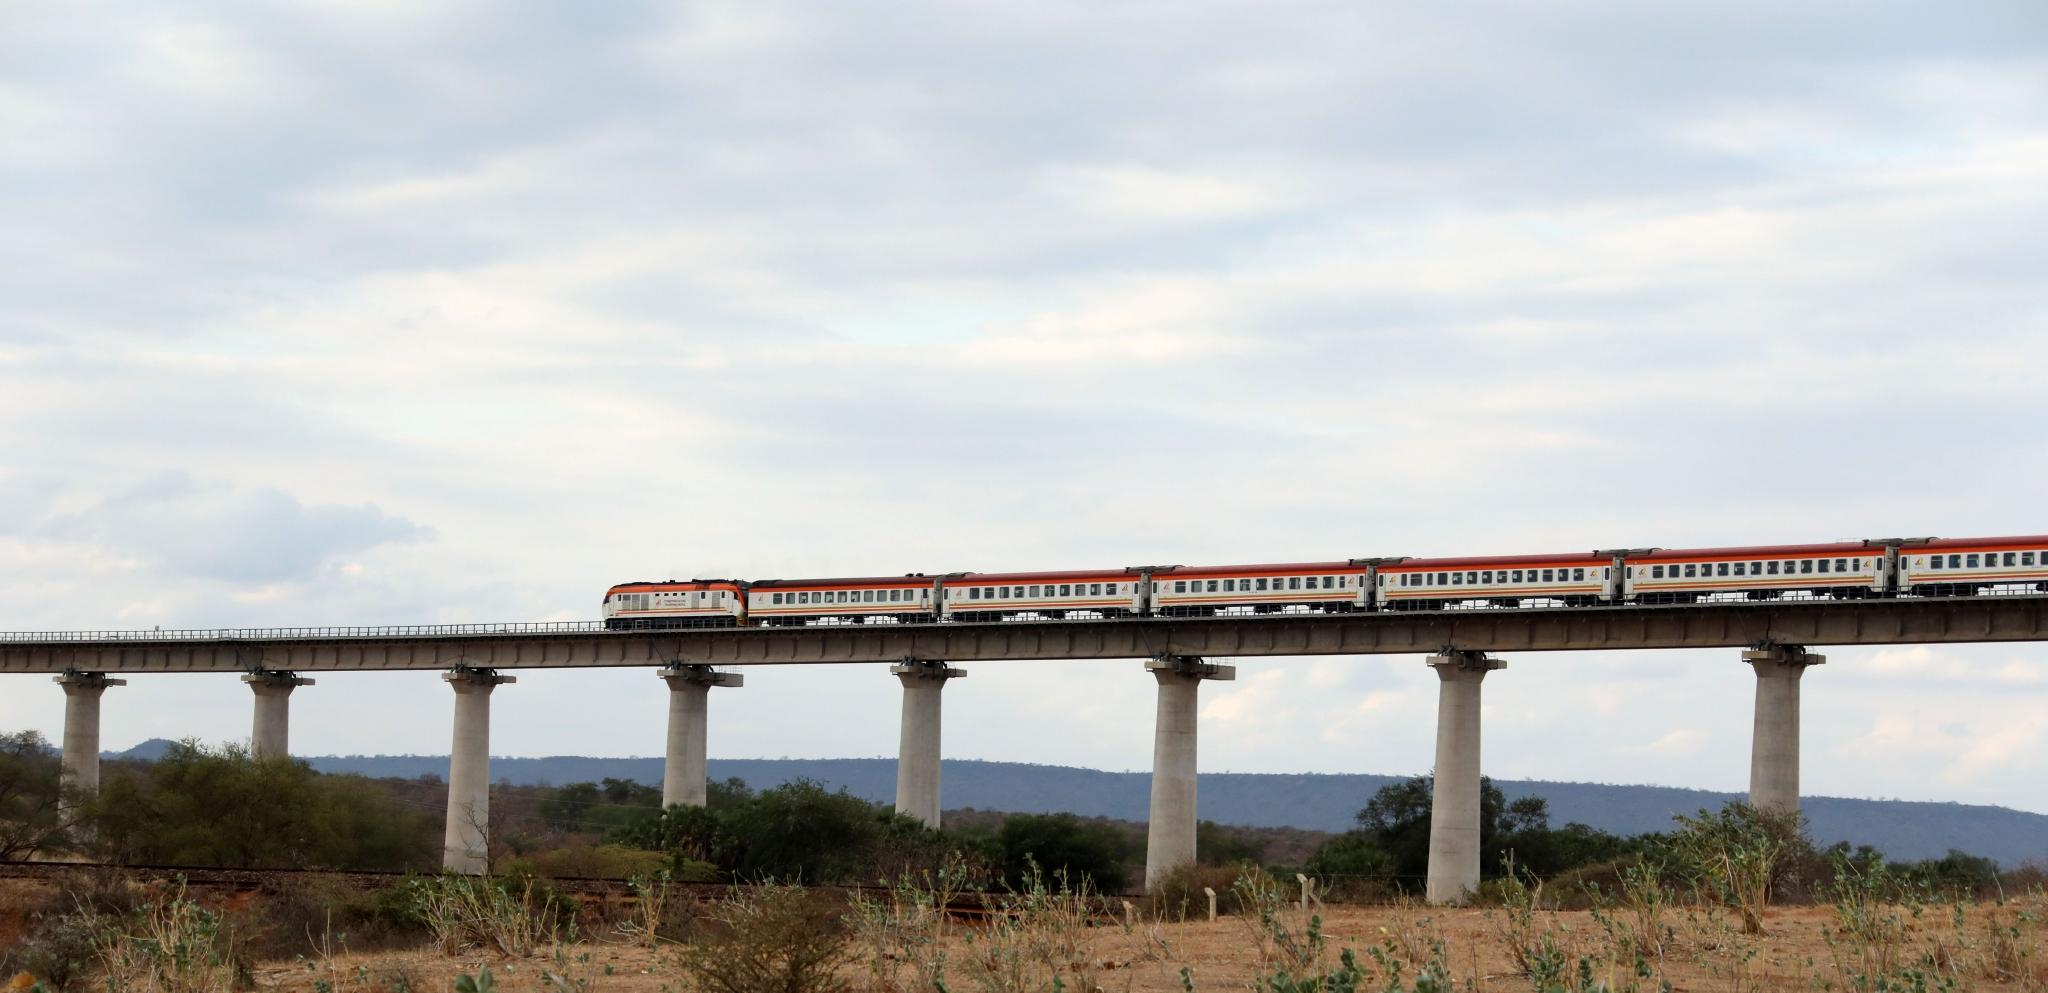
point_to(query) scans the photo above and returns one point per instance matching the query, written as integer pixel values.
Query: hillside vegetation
(1905, 829)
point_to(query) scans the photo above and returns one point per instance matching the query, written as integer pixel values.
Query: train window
(1208, 586)
(1179, 586)
(1578, 575)
(776, 599)
(1457, 579)
(1841, 565)
(1066, 589)
(1471, 578)
(1721, 569)
(1823, 565)
(2009, 558)
(1294, 582)
(1955, 561)
(2026, 558)
(1805, 565)
(1970, 562)
(1742, 568)
(1656, 572)
(974, 593)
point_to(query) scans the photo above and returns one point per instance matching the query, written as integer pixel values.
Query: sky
(390, 313)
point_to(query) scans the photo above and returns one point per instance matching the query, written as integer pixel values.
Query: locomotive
(1881, 567)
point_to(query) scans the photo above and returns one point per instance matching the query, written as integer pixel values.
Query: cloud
(215, 531)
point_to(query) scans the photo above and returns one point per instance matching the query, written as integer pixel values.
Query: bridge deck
(578, 644)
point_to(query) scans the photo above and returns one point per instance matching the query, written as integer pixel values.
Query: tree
(1391, 842)
(1063, 843)
(221, 807)
(29, 810)
(799, 831)
(1219, 845)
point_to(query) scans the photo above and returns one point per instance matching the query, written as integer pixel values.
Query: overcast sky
(349, 312)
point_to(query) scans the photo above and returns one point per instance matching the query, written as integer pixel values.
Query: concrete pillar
(1454, 795)
(79, 764)
(1774, 745)
(689, 692)
(1170, 832)
(917, 755)
(271, 736)
(465, 842)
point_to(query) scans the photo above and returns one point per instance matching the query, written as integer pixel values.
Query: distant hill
(1900, 829)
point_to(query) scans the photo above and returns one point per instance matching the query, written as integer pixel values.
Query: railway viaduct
(1774, 638)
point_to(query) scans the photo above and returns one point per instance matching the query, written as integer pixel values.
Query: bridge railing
(303, 633)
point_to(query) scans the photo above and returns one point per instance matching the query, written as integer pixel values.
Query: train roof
(1267, 567)
(1054, 575)
(2015, 540)
(908, 579)
(652, 585)
(1760, 551)
(1419, 565)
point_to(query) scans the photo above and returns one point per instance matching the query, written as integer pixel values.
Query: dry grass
(1993, 948)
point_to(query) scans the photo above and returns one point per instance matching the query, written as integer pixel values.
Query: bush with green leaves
(1063, 846)
(1734, 855)
(29, 793)
(1389, 850)
(798, 831)
(219, 806)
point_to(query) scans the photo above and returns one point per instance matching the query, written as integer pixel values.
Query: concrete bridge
(1461, 646)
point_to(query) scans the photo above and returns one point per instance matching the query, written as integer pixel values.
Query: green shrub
(1735, 854)
(221, 807)
(589, 862)
(481, 912)
(1063, 846)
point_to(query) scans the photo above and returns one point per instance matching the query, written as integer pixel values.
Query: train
(1878, 567)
